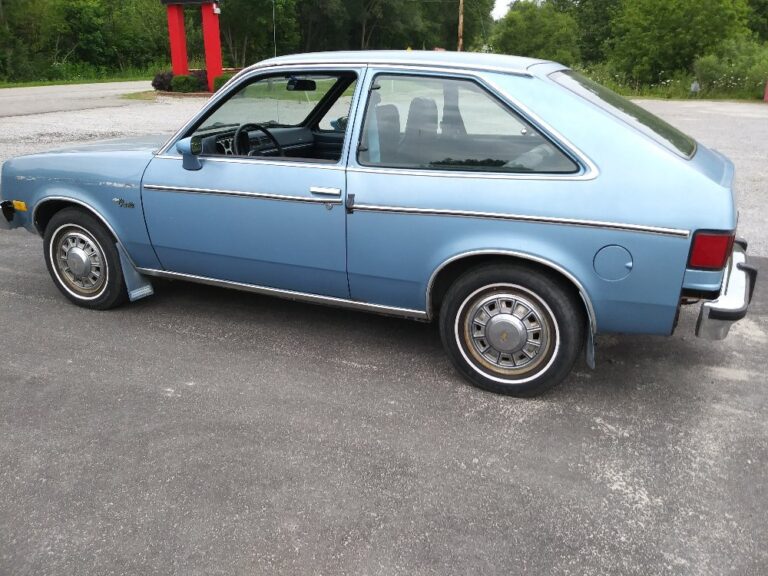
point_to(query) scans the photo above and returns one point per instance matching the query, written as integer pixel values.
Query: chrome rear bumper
(717, 316)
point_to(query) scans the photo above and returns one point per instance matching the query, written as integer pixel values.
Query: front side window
(280, 116)
(451, 124)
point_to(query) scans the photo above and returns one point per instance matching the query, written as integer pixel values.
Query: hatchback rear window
(631, 113)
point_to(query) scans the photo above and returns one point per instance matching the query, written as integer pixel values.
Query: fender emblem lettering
(122, 203)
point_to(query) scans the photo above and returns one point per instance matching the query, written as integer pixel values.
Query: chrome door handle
(325, 191)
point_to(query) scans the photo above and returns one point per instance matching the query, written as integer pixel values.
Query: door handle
(321, 191)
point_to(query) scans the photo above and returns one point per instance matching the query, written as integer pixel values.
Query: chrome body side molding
(525, 218)
(291, 295)
(243, 194)
(258, 161)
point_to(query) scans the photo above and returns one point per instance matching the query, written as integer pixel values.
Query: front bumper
(6, 217)
(717, 316)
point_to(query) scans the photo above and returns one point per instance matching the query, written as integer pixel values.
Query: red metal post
(765, 96)
(212, 39)
(178, 38)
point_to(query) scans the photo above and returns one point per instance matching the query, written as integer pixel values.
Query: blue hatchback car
(520, 205)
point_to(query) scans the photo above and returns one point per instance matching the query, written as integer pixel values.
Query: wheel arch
(50, 205)
(453, 267)
(138, 286)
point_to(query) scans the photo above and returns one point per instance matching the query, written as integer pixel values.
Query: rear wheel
(83, 261)
(511, 329)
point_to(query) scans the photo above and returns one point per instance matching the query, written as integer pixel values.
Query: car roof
(443, 59)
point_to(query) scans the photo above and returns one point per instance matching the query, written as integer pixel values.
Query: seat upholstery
(388, 118)
(417, 146)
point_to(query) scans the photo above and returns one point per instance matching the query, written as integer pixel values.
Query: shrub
(185, 83)
(162, 81)
(202, 80)
(219, 81)
(737, 68)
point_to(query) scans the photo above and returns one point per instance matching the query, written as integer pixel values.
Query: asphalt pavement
(204, 431)
(47, 99)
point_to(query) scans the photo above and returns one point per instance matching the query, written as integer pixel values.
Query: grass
(34, 83)
(148, 95)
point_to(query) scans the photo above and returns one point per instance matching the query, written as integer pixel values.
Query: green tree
(538, 30)
(247, 29)
(323, 25)
(594, 18)
(653, 38)
(758, 18)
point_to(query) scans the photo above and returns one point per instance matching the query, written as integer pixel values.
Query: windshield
(631, 113)
(274, 101)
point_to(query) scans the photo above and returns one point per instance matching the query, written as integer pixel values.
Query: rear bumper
(6, 216)
(717, 316)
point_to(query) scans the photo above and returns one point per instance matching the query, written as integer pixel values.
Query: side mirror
(190, 149)
(340, 124)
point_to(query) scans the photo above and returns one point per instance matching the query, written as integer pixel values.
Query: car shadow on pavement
(627, 365)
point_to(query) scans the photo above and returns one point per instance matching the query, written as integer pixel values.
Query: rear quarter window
(634, 115)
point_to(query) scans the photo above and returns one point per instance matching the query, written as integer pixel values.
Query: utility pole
(461, 26)
(274, 28)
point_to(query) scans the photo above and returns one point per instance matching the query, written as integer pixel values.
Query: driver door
(254, 216)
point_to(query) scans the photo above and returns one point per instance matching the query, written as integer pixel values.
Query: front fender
(106, 184)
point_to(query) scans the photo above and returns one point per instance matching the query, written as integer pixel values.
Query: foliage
(187, 83)
(758, 18)
(738, 67)
(595, 26)
(642, 46)
(202, 79)
(219, 81)
(652, 38)
(539, 30)
(162, 81)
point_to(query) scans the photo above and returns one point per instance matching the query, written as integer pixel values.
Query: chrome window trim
(435, 173)
(247, 74)
(582, 291)
(678, 233)
(241, 194)
(290, 294)
(391, 63)
(588, 169)
(255, 161)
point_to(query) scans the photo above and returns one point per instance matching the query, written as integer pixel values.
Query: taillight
(710, 250)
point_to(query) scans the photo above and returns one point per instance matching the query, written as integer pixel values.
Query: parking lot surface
(204, 431)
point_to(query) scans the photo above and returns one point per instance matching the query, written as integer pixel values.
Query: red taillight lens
(710, 250)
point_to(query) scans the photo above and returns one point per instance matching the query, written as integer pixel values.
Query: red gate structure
(211, 37)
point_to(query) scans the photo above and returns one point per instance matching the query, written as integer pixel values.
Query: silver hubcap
(507, 332)
(79, 261)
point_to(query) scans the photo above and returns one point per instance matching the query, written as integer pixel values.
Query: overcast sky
(500, 9)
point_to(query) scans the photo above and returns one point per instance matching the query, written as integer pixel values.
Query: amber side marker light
(19, 206)
(710, 250)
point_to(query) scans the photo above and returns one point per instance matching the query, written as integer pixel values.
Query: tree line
(630, 44)
(658, 45)
(52, 39)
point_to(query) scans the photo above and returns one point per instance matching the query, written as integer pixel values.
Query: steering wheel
(242, 142)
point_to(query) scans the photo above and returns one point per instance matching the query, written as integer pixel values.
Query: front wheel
(511, 329)
(83, 261)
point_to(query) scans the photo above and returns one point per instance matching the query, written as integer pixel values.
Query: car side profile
(517, 203)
